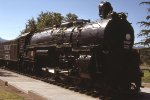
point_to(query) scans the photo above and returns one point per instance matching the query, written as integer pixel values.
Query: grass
(9, 96)
(146, 77)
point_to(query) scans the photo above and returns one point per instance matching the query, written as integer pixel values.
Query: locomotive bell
(104, 9)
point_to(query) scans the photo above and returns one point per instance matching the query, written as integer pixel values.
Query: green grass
(9, 96)
(146, 77)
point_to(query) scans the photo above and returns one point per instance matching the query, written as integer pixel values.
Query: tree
(145, 32)
(30, 26)
(57, 19)
(48, 19)
(71, 17)
(44, 20)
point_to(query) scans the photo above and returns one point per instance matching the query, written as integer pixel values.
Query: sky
(15, 13)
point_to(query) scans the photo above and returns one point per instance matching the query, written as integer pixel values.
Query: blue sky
(15, 13)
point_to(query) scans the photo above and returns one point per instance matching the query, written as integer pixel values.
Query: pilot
(104, 9)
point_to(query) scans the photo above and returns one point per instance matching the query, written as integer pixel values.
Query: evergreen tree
(145, 32)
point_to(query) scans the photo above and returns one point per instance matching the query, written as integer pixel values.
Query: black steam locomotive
(93, 55)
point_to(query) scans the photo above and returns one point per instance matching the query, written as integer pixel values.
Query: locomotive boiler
(94, 55)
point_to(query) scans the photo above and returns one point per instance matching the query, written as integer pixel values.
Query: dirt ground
(4, 88)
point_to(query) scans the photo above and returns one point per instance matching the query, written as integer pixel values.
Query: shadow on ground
(141, 96)
(6, 74)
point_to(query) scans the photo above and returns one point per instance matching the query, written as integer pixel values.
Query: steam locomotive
(94, 55)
